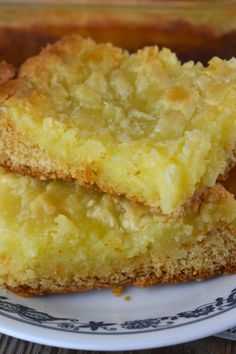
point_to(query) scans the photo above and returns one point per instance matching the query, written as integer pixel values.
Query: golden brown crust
(13, 151)
(144, 280)
(7, 72)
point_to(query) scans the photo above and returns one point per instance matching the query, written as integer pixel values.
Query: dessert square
(143, 126)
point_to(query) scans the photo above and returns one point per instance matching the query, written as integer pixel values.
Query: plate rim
(103, 345)
(206, 326)
(26, 315)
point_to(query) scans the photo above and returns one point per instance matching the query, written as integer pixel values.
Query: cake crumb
(117, 291)
(128, 298)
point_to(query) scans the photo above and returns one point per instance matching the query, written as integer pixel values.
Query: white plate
(154, 317)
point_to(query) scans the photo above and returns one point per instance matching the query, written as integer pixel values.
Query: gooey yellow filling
(59, 230)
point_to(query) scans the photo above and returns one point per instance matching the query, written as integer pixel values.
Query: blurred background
(195, 30)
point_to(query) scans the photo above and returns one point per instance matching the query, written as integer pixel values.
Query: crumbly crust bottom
(141, 280)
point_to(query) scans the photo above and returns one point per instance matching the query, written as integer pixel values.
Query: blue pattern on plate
(31, 316)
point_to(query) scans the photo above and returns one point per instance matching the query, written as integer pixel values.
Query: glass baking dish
(195, 30)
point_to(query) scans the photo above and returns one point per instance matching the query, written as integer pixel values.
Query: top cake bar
(142, 125)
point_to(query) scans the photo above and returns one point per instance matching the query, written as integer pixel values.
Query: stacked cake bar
(113, 169)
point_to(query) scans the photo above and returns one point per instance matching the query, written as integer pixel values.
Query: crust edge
(140, 281)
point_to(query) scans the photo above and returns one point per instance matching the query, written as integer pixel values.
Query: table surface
(210, 345)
